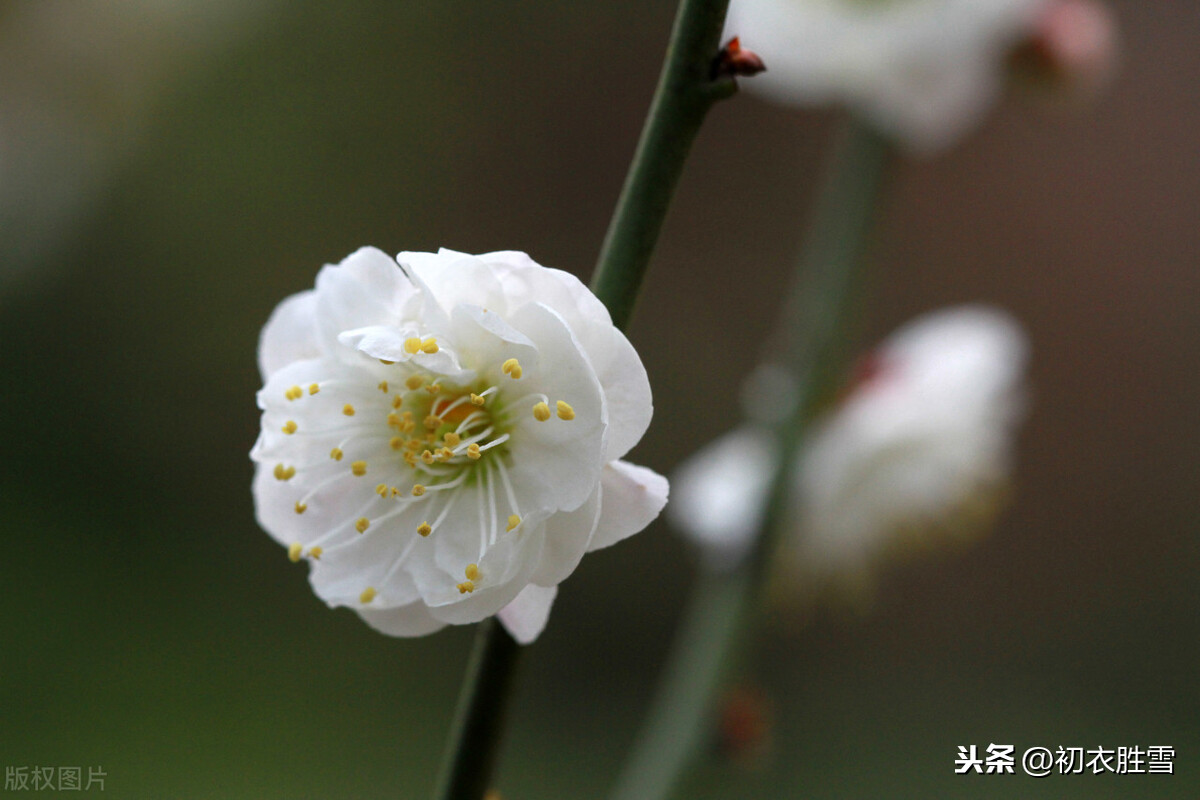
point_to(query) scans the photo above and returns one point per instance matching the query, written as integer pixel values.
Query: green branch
(479, 722)
(722, 602)
(686, 90)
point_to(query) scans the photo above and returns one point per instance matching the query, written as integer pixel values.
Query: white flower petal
(455, 279)
(386, 344)
(504, 571)
(526, 616)
(720, 493)
(289, 335)
(364, 289)
(620, 371)
(923, 71)
(626, 386)
(567, 537)
(525, 281)
(632, 497)
(558, 461)
(489, 338)
(410, 620)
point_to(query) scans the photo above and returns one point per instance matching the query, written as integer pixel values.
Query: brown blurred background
(169, 172)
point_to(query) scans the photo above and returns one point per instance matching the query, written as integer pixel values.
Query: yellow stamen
(412, 345)
(336, 454)
(541, 412)
(472, 572)
(427, 457)
(511, 368)
(445, 454)
(284, 473)
(393, 420)
(409, 458)
(397, 401)
(383, 386)
(424, 529)
(429, 346)
(348, 410)
(362, 524)
(414, 382)
(476, 400)
(289, 427)
(418, 490)
(564, 410)
(313, 388)
(359, 468)
(433, 388)
(293, 393)
(466, 587)
(396, 442)
(452, 439)
(301, 507)
(432, 422)
(381, 490)
(473, 451)
(367, 596)
(294, 551)
(513, 521)
(316, 553)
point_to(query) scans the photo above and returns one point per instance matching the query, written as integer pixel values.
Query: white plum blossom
(919, 449)
(441, 437)
(922, 71)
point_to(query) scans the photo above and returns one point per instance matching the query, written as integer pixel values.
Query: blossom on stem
(918, 449)
(441, 439)
(922, 71)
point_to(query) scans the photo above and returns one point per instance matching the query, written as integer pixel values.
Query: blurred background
(170, 171)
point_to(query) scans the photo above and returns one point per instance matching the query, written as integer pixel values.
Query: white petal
(504, 571)
(720, 493)
(567, 537)
(526, 616)
(289, 335)
(617, 365)
(626, 386)
(366, 288)
(557, 462)
(371, 559)
(411, 620)
(926, 438)
(455, 279)
(384, 343)
(923, 72)
(631, 498)
(968, 354)
(487, 340)
(526, 281)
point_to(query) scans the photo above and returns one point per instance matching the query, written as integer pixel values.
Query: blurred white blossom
(919, 449)
(441, 439)
(922, 71)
